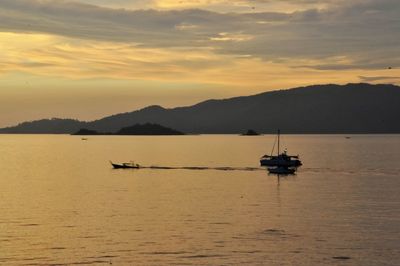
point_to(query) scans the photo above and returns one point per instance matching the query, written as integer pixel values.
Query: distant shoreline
(202, 134)
(355, 108)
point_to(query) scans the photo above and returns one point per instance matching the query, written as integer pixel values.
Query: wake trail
(199, 168)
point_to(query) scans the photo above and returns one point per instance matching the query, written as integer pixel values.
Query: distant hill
(46, 126)
(351, 108)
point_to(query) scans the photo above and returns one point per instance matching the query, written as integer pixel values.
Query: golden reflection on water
(61, 203)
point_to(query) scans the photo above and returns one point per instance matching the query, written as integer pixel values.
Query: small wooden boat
(129, 165)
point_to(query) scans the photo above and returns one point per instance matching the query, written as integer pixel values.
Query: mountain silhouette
(351, 108)
(46, 126)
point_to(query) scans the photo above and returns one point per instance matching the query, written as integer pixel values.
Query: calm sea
(61, 202)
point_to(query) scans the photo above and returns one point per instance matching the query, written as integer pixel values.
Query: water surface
(61, 203)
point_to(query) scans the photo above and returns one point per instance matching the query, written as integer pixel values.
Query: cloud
(227, 37)
(225, 6)
(379, 78)
(222, 6)
(365, 32)
(78, 59)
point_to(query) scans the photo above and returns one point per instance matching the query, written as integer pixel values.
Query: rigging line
(273, 147)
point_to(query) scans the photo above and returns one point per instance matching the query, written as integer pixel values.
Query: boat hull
(281, 170)
(124, 166)
(279, 162)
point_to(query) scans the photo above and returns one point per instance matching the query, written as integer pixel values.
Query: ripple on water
(57, 248)
(341, 257)
(6, 259)
(125, 250)
(29, 224)
(103, 257)
(267, 234)
(68, 226)
(282, 234)
(296, 251)
(90, 237)
(273, 232)
(221, 223)
(85, 262)
(202, 256)
(246, 251)
(164, 253)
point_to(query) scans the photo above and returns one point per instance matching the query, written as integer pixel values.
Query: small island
(148, 129)
(250, 132)
(137, 129)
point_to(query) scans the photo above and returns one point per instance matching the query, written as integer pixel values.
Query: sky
(86, 59)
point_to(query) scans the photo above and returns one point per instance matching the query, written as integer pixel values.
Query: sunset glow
(58, 56)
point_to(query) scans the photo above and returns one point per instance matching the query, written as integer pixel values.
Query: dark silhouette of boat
(281, 170)
(130, 165)
(281, 159)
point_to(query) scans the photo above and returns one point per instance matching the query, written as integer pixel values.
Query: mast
(279, 133)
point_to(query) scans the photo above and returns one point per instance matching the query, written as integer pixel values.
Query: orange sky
(90, 58)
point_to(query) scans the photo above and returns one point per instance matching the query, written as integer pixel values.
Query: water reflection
(67, 206)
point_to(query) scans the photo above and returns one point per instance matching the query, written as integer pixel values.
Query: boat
(281, 170)
(129, 165)
(281, 159)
